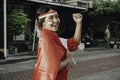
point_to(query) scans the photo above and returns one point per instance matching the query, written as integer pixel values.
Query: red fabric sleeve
(72, 44)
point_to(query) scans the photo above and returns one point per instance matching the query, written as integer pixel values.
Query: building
(30, 7)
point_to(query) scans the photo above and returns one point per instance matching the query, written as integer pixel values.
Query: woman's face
(51, 22)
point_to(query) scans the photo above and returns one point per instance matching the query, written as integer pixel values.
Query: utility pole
(5, 27)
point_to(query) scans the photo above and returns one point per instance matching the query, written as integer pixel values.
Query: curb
(18, 58)
(10, 61)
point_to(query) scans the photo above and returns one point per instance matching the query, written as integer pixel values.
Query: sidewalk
(96, 65)
(31, 55)
(92, 64)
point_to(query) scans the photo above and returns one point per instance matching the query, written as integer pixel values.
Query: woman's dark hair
(40, 11)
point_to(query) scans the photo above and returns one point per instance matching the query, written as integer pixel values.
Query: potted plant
(17, 21)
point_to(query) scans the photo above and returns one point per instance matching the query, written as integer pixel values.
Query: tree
(17, 22)
(105, 7)
(109, 9)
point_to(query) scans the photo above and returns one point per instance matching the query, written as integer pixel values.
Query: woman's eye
(50, 17)
(56, 16)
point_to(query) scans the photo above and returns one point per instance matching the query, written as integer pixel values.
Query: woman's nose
(56, 20)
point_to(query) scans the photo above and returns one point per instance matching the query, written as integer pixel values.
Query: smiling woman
(52, 56)
(51, 20)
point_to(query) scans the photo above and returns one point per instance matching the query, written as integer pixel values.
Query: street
(101, 64)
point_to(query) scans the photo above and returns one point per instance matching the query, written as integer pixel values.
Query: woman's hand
(77, 17)
(65, 62)
(68, 56)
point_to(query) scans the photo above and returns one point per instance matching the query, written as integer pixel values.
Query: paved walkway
(96, 65)
(91, 65)
(93, 69)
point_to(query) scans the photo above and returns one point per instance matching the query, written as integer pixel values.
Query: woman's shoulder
(43, 34)
(46, 34)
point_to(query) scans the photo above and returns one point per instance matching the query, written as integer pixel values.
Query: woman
(52, 56)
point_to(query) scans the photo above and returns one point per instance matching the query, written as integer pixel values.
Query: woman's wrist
(78, 23)
(68, 60)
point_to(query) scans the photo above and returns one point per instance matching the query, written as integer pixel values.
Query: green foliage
(106, 7)
(17, 21)
(115, 31)
(111, 10)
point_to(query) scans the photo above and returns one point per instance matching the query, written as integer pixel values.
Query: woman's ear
(43, 24)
